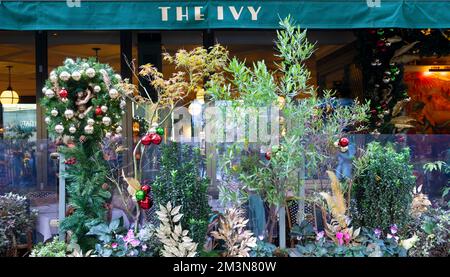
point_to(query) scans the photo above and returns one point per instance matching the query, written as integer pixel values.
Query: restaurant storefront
(37, 36)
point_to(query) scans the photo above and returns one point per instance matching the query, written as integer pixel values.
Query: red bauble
(268, 155)
(63, 93)
(146, 189)
(146, 203)
(98, 111)
(343, 142)
(374, 112)
(146, 140)
(380, 43)
(156, 139)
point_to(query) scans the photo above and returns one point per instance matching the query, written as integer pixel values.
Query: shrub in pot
(382, 187)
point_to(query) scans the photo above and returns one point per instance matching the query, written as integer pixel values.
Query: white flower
(113, 93)
(76, 75)
(90, 72)
(97, 89)
(64, 76)
(69, 61)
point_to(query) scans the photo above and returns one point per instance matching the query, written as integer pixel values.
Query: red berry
(268, 155)
(146, 140)
(155, 138)
(63, 93)
(98, 111)
(146, 189)
(343, 142)
(146, 203)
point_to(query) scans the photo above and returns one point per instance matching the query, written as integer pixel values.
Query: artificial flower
(320, 235)
(339, 237)
(377, 232)
(394, 229)
(114, 245)
(347, 238)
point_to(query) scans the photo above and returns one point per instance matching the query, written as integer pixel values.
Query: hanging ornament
(53, 77)
(90, 122)
(104, 108)
(386, 79)
(54, 112)
(118, 77)
(113, 93)
(146, 189)
(388, 43)
(380, 32)
(146, 203)
(68, 114)
(59, 128)
(373, 112)
(47, 120)
(64, 100)
(380, 43)
(105, 186)
(76, 75)
(81, 115)
(343, 142)
(89, 129)
(108, 134)
(123, 104)
(64, 76)
(97, 89)
(344, 149)
(106, 120)
(160, 131)
(156, 139)
(119, 129)
(49, 93)
(70, 161)
(140, 195)
(85, 65)
(82, 138)
(98, 111)
(63, 93)
(72, 129)
(146, 140)
(267, 155)
(90, 72)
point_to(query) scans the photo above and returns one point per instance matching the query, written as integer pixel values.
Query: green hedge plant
(181, 182)
(382, 187)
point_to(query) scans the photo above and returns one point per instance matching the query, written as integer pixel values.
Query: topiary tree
(382, 187)
(83, 106)
(181, 182)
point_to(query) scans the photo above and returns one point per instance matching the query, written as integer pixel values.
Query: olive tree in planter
(309, 125)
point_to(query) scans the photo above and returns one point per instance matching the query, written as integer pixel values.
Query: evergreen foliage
(382, 187)
(181, 183)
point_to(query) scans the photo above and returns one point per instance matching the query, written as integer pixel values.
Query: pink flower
(320, 235)
(144, 247)
(377, 232)
(114, 245)
(347, 238)
(389, 236)
(134, 242)
(339, 237)
(394, 229)
(129, 237)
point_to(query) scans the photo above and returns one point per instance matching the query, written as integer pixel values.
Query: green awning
(215, 14)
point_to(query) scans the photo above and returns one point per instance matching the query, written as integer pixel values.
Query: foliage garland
(83, 104)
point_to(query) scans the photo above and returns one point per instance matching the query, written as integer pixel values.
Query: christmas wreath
(83, 101)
